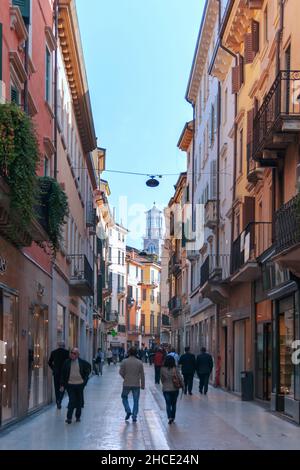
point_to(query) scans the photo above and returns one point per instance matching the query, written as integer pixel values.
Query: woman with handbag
(172, 382)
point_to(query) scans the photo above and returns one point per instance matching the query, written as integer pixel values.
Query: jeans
(75, 393)
(171, 399)
(203, 385)
(136, 396)
(188, 382)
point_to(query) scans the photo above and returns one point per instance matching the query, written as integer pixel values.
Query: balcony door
(8, 357)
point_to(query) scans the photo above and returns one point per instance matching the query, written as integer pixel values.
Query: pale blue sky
(138, 56)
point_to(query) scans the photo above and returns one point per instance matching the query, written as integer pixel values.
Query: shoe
(170, 421)
(128, 416)
(134, 419)
(68, 421)
(201, 392)
(78, 420)
(190, 393)
(58, 406)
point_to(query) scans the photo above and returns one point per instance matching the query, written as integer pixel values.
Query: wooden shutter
(249, 53)
(213, 179)
(0, 54)
(255, 4)
(250, 119)
(24, 6)
(235, 79)
(255, 36)
(248, 211)
(241, 70)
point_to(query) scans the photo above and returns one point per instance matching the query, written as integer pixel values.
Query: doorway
(8, 357)
(264, 361)
(37, 357)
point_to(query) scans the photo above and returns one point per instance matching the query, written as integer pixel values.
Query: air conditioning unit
(2, 92)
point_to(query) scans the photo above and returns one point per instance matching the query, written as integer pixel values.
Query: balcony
(165, 321)
(278, 120)
(91, 217)
(174, 265)
(121, 291)
(215, 273)
(133, 329)
(287, 235)
(255, 172)
(252, 243)
(81, 277)
(210, 214)
(175, 306)
(9, 226)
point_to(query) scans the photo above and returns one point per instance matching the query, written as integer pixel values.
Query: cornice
(71, 49)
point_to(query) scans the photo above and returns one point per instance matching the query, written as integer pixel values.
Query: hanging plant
(19, 156)
(56, 209)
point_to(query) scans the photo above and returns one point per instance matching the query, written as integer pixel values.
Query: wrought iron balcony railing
(215, 268)
(81, 276)
(175, 304)
(287, 225)
(251, 243)
(280, 108)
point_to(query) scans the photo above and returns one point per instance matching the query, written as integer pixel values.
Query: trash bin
(247, 385)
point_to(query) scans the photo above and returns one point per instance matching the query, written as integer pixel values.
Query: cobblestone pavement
(217, 421)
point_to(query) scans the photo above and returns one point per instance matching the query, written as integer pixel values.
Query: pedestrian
(74, 377)
(99, 360)
(109, 356)
(188, 366)
(158, 361)
(115, 355)
(204, 367)
(132, 371)
(56, 361)
(174, 354)
(172, 381)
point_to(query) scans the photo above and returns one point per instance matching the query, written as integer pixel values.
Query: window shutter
(250, 119)
(255, 36)
(0, 54)
(235, 80)
(14, 95)
(249, 53)
(248, 211)
(24, 6)
(241, 70)
(213, 179)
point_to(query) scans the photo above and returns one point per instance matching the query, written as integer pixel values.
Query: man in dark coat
(204, 366)
(188, 365)
(56, 361)
(74, 377)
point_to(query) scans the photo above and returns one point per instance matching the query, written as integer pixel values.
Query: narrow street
(217, 421)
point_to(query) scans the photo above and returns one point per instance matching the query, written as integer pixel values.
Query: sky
(138, 56)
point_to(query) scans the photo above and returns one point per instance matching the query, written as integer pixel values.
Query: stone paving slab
(217, 421)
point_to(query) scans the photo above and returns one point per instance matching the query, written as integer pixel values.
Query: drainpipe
(56, 3)
(193, 170)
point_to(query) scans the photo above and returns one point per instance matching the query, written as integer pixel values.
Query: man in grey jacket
(132, 371)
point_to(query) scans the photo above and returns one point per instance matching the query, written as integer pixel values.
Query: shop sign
(3, 266)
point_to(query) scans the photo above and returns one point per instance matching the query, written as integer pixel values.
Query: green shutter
(0, 51)
(14, 95)
(24, 6)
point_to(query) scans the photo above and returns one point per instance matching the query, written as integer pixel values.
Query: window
(119, 236)
(60, 323)
(119, 257)
(144, 295)
(110, 254)
(137, 272)
(48, 75)
(46, 167)
(225, 105)
(123, 259)
(14, 95)
(266, 29)
(241, 151)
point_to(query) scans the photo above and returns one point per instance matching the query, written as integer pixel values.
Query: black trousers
(188, 382)
(75, 393)
(157, 374)
(58, 395)
(203, 385)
